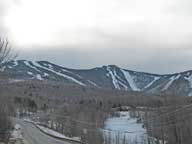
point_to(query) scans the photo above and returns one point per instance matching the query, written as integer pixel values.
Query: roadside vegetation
(72, 110)
(6, 103)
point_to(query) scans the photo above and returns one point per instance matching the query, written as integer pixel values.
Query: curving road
(34, 136)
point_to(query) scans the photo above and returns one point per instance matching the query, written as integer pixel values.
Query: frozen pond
(124, 129)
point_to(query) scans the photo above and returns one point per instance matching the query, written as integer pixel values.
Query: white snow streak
(15, 62)
(94, 84)
(61, 74)
(56, 134)
(130, 80)
(172, 79)
(31, 66)
(155, 79)
(189, 79)
(38, 76)
(114, 80)
(45, 74)
(29, 73)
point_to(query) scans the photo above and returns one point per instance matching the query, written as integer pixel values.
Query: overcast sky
(145, 35)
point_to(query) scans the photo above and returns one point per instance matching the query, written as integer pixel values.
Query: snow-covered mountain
(109, 76)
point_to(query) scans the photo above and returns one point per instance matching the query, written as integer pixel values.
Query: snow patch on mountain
(2, 69)
(38, 76)
(117, 78)
(27, 63)
(155, 79)
(94, 84)
(189, 79)
(60, 74)
(15, 62)
(30, 73)
(45, 74)
(114, 80)
(130, 80)
(171, 80)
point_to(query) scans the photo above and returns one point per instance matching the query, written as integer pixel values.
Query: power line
(169, 123)
(168, 113)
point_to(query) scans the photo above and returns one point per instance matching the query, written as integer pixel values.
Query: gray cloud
(144, 35)
(147, 60)
(4, 7)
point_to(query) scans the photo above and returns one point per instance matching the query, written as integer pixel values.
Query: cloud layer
(146, 35)
(101, 23)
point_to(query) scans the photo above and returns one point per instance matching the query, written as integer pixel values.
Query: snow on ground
(15, 62)
(94, 84)
(155, 79)
(50, 66)
(56, 134)
(51, 132)
(172, 79)
(17, 132)
(189, 79)
(27, 63)
(15, 80)
(38, 76)
(30, 73)
(45, 74)
(116, 75)
(2, 68)
(114, 80)
(123, 128)
(130, 80)
(60, 74)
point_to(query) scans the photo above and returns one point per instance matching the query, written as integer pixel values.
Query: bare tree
(6, 54)
(5, 121)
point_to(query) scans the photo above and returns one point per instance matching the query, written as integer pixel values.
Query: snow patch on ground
(155, 79)
(38, 76)
(30, 73)
(50, 66)
(16, 134)
(94, 84)
(15, 62)
(45, 74)
(130, 80)
(189, 79)
(56, 134)
(124, 128)
(2, 69)
(31, 66)
(15, 80)
(171, 80)
(121, 83)
(114, 80)
(61, 74)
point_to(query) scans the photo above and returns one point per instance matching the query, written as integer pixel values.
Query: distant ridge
(110, 76)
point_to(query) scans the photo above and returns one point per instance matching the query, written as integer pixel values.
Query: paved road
(34, 136)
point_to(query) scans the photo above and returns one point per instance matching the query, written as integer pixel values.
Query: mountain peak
(108, 76)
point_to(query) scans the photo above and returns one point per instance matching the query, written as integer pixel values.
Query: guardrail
(59, 138)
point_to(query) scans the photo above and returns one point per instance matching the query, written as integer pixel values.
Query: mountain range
(109, 76)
